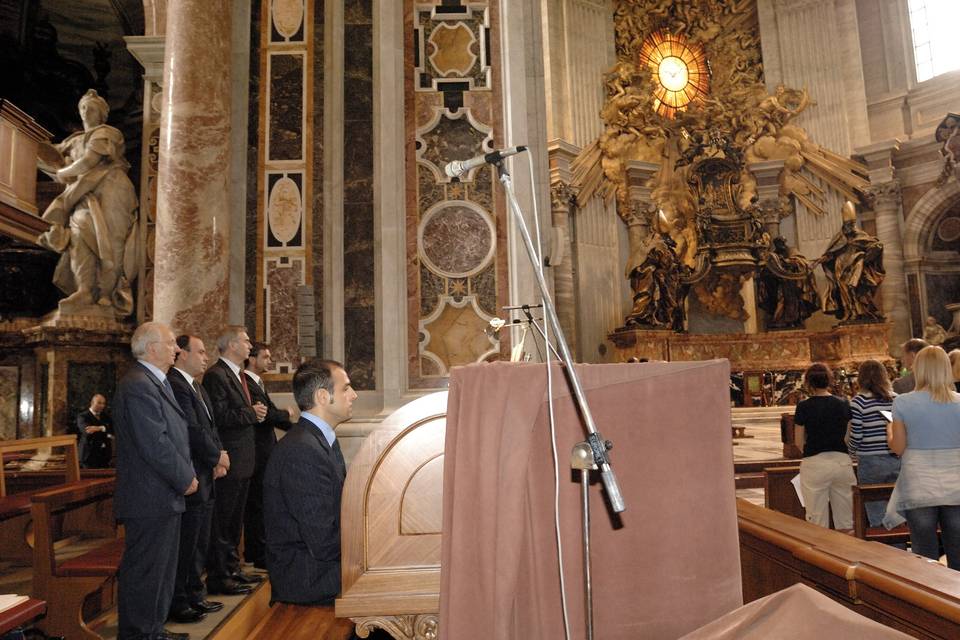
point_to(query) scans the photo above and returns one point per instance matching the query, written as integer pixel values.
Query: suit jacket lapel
(316, 433)
(233, 377)
(164, 390)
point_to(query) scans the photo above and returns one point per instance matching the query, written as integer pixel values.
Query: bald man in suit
(154, 473)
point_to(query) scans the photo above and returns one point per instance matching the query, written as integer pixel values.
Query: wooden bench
(861, 526)
(15, 519)
(67, 584)
(779, 493)
(750, 474)
(899, 589)
(21, 614)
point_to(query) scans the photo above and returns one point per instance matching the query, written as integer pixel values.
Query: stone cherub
(853, 265)
(92, 221)
(786, 287)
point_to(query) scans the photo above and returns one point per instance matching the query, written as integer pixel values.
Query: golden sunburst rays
(679, 70)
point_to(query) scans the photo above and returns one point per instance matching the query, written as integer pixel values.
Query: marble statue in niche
(933, 332)
(786, 288)
(853, 265)
(655, 274)
(92, 221)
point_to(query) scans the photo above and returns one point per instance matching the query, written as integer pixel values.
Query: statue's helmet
(848, 213)
(91, 96)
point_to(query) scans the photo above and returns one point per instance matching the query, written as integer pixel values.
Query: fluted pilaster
(888, 218)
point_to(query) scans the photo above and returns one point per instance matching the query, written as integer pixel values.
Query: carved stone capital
(562, 196)
(771, 210)
(636, 214)
(403, 627)
(884, 194)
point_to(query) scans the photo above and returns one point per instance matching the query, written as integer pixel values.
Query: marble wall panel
(284, 238)
(941, 290)
(484, 287)
(254, 170)
(43, 395)
(284, 275)
(358, 224)
(315, 152)
(9, 402)
(455, 228)
(286, 106)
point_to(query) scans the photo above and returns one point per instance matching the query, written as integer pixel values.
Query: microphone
(457, 168)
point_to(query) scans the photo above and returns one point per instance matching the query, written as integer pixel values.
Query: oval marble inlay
(949, 229)
(287, 16)
(456, 239)
(284, 210)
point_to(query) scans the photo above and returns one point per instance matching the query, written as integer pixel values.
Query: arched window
(936, 48)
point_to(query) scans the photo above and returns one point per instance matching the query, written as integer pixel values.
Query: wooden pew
(67, 584)
(750, 474)
(861, 527)
(15, 534)
(779, 493)
(899, 589)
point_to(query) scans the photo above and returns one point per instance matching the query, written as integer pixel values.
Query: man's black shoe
(247, 578)
(170, 635)
(207, 606)
(228, 587)
(187, 615)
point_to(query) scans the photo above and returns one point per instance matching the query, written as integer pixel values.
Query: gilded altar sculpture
(687, 88)
(853, 265)
(786, 288)
(655, 273)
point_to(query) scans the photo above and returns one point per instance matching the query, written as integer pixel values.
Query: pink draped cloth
(670, 565)
(795, 613)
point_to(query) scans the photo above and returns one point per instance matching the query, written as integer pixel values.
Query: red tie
(246, 389)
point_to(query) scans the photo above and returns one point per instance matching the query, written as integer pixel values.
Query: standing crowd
(199, 466)
(905, 432)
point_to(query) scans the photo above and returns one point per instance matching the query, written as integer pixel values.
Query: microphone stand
(597, 446)
(530, 320)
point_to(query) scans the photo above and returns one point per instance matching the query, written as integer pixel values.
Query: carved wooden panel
(392, 517)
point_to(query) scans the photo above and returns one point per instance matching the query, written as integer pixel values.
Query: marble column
(888, 218)
(193, 201)
(562, 207)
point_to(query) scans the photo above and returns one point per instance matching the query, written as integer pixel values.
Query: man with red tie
(235, 415)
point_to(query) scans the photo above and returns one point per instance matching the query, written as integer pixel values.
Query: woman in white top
(926, 433)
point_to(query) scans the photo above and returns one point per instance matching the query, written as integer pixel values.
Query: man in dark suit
(94, 430)
(154, 473)
(302, 487)
(235, 414)
(254, 541)
(210, 461)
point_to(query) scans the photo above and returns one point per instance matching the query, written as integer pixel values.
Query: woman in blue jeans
(926, 433)
(868, 433)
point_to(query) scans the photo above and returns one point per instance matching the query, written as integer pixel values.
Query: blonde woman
(955, 365)
(926, 433)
